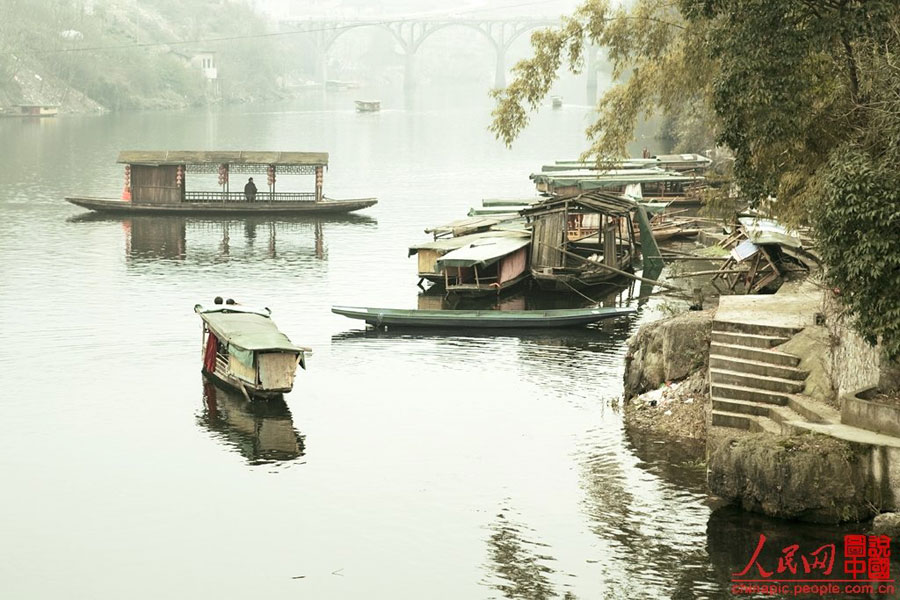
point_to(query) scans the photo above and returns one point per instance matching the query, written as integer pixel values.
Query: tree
(804, 92)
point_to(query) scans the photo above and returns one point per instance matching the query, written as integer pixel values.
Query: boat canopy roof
(483, 252)
(157, 158)
(614, 176)
(453, 243)
(602, 202)
(247, 328)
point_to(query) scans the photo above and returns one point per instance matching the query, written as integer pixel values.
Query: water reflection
(216, 239)
(261, 431)
(732, 536)
(519, 565)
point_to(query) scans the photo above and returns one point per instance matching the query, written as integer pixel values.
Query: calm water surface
(402, 465)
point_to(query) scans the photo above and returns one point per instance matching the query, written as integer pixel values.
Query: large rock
(667, 350)
(807, 477)
(887, 524)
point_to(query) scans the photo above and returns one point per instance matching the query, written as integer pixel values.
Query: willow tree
(803, 92)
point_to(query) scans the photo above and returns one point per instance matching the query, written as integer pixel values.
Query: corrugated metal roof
(232, 157)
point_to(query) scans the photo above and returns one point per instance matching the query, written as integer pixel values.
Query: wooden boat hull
(481, 319)
(232, 384)
(110, 205)
(474, 289)
(565, 282)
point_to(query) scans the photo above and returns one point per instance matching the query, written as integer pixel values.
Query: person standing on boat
(250, 190)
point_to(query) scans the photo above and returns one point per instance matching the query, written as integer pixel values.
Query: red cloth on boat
(209, 359)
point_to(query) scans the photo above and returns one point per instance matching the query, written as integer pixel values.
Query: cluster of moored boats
(586, 227)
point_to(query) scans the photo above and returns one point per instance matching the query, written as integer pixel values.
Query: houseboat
(487, 265)
(368, 105)
(245, 351)
(650, 184)
(556, 101)
(156, 182)
(680, 163)
(430, 253)
(584, 240)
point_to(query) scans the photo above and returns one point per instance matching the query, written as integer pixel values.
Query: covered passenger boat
(244, 350)
(682, 163)
(488, 265)
(430, 253)
(645, 184)
(481, 319)
(157, 182)
(580, 241)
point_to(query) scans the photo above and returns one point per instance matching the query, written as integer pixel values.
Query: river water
(401, 466)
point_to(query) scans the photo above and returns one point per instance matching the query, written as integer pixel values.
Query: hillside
(123, 54)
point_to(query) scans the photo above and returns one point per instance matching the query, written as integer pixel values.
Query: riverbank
(777, 440)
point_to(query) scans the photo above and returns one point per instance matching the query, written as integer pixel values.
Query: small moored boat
(368, 105)
(482, 319)
(244, 350)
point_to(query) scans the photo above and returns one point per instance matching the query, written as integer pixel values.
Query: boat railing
(221, 363)
(260, 198)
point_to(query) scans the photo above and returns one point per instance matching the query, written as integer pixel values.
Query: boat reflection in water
(210, 239)
(262, 431)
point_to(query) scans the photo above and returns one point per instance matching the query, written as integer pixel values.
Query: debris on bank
(676, 409)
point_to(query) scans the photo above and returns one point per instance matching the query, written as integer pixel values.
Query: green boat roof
(246, 328)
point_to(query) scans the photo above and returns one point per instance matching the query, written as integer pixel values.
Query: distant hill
(123, 54)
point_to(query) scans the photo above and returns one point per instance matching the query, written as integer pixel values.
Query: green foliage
(650, 43)
(858, 225)
(805, 93)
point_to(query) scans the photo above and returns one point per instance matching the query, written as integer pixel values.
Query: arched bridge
(411, 33)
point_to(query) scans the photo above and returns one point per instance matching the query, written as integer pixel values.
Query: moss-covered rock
(667, 350)
(808, 477)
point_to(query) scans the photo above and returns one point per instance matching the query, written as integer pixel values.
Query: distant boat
(30, 110)
(244, 350)
(481, 319)
(557, 101)
(338, 85)
(368, 105)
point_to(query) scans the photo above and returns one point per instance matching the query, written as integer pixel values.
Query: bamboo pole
(613, 269)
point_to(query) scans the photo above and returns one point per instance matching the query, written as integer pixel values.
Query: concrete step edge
(775, 339)
(759, 409)
(762, 352)
(714, 370)
(802, 373)
(742, 388)
(739, 326)
(728, 415)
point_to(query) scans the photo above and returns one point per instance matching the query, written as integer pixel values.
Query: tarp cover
(245, 329)
(482, 252)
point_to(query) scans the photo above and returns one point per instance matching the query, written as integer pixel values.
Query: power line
(268, 35)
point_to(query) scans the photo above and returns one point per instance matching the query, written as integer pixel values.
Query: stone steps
(753, 387)
(746, 339)
(750, 353)
(755, 367)
(740, 392)
(760, 382)
(754, 329)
